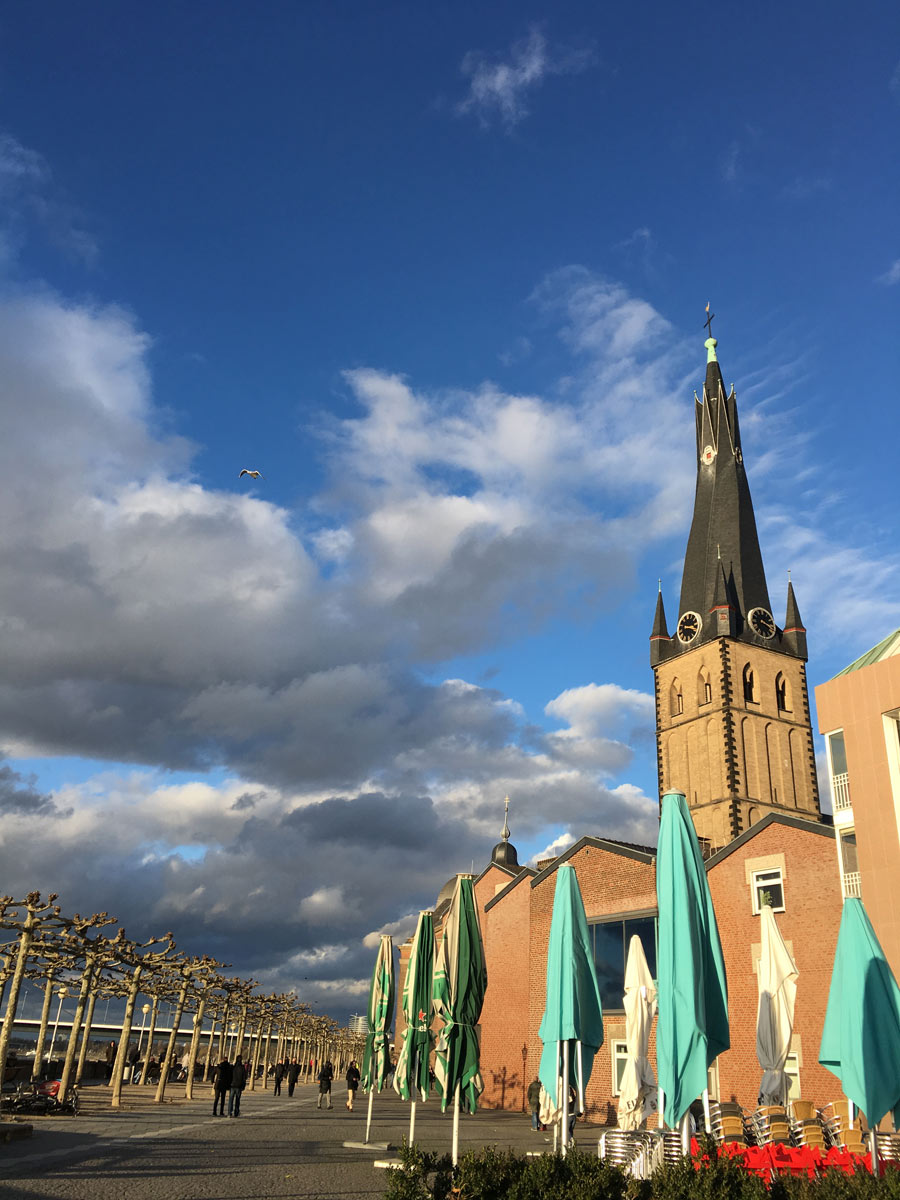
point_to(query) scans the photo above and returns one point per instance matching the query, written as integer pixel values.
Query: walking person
(325, 1077)
(352, 1083)
(534, 1102)
(111, 1048)
(293, 1074)
(238, 1082)
(222, 1084)
(278, 1075)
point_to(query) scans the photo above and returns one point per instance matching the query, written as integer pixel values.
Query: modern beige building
(859, 715)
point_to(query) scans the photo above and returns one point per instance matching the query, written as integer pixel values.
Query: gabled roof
(524, 873)
(886, 648)
(645, 854)
(772, 818)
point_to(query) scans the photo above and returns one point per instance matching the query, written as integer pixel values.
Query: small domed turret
(504, 853)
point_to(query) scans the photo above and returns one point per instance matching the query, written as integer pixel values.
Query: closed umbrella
(460, 982)
(638, 1091)
(573, 1016)
(861, 1037)
(692, 1028)
(775, 1013)
(379, 1017)
(411, 1077)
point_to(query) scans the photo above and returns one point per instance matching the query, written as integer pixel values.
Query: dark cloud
(19, 795)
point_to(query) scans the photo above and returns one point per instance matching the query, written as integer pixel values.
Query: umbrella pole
(369, 1117)
(685, 1135)
(874, 1136)
(661, 1101)
(579, 1066)
(707, 1120)
(564, 1128)
(412, 1123)
(456, 1125)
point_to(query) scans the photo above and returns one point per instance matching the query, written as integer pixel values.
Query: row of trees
(83, 955)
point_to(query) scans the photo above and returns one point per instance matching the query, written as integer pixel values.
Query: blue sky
(438, 272)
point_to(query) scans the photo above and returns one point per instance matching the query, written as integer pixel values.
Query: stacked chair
(839, 1129)
(727, 1121)
(631, 1149)
(770, 1126)
(807, 1128)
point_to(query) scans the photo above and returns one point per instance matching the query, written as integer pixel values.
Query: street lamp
(524, 1061)
(62, 993)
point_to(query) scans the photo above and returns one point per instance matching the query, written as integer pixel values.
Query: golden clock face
(688, 627)
(762, 622)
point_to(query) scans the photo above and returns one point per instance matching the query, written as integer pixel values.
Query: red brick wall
(810, 923)
(504, 1017)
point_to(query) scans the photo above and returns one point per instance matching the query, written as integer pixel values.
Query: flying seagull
(252, 474)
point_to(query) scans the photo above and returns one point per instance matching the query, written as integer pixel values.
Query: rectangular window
(610, 941)
(619, 1051)
(792, 1070)
(768, 886)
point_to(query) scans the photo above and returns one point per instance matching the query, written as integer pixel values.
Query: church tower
(733, 726)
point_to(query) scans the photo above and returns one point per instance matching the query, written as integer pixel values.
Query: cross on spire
(707, 324)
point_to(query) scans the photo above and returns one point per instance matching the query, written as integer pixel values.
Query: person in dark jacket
(222, 1084)
(325, 1077)
(278, 1075)
(534, 1102)
(293, 1075)
(352, 1083)
(238, 1082)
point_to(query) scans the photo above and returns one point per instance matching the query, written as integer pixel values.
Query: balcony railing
(840, 791)
(851, 883)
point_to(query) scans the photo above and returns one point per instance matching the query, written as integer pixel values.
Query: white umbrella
(638, 1096)
(775, 1016)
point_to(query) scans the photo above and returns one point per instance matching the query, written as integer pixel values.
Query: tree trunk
(121, 1063)
(86, 1036)
(25, 939)
(223, 1033)
(154, 1009)
(68, 1065)
(209, 1049)
(266, 1058)
(38, 1066)
(176, 1021)
(195, 1047)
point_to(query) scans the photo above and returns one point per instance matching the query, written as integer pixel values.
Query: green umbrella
(861, 1038)
(692, 1026)
(414, 1062)
(460, 981)
(379, 1016)
(572, 1013)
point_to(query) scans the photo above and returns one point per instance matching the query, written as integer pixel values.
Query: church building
(733, 733)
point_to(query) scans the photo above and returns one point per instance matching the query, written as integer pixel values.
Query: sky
(439, 273)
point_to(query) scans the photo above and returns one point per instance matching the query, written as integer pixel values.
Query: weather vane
(707, 324)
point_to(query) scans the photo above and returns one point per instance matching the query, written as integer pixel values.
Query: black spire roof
(723, 563)
(659, 638)
(504, 853)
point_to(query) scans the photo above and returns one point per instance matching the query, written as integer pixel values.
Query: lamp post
(145, 1009)
(62, 993)
(524, 1061)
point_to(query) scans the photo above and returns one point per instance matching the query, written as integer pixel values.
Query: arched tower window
(749, 685)
(704, 687)
(782, 693)
(676, 699)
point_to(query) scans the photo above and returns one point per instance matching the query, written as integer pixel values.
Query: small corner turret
(793, 637)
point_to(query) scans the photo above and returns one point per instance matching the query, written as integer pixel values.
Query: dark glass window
(610, 941)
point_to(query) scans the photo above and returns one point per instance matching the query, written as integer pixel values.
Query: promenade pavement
(280, 1147)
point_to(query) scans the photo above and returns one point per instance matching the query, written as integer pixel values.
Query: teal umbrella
(573, 1016)
(379, 1017)
(414, 1061)
(861, 1038)
(460, 982)
(692, 1025)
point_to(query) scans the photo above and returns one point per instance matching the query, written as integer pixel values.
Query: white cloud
(499, 89)
(891, 275)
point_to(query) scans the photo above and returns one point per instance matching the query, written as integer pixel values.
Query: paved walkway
(280, 1147)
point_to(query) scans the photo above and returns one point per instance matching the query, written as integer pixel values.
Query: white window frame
(758, 881)
(618, 1053)
(792, 1070)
